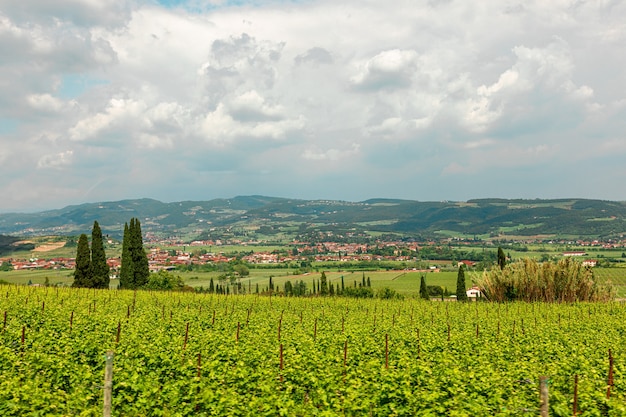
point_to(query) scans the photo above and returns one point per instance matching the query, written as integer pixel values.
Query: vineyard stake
(345, 359)
(71, 320)
(280, 323)
(43, 307)
(315, 329)
(386, 351)
(213, 321)
(281, 362)
(575, 410)
(418, 343)
(610, 378)
(23, 338)
(199, 366)
(543, 392)
(119, 330)
(186, 336)
(448, 332)
(5, 320)
(108, 383)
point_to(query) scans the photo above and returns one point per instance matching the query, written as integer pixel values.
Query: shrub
(529, 280)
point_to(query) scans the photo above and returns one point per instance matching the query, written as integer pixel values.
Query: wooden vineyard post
(386, 351)
(315, 330)
(543, 393)
(71, 320)
(345, 359)
(23, 338)
(4, 326)
(448, 332)
(186, 336)
(119, 331)
(198, 375)
(575, 406)
(610, 377)
(418, 343)
(108, 383)
(280, 323)
(281, 362)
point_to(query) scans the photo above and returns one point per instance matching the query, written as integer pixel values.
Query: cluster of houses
(301, 251)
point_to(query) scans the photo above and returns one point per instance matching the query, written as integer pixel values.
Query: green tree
(99, 268)
(288, 288)
(164, 281)
(323, 284)
(461, 294)
(501, 258)
(211, 286)
(141, 270)
(83, 270)
(423, 289)
(126, 269)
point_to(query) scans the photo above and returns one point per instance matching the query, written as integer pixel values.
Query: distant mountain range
(272, 218)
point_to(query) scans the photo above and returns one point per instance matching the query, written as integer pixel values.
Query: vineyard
(178, 354)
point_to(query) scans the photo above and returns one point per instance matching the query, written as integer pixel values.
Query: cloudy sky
(418, 99)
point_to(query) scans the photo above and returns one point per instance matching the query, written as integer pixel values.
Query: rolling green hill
(271, 217)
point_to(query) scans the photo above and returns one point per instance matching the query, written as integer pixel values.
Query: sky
(322, 99)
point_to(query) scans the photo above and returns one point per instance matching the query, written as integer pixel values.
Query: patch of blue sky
(203, 5)
(74, 85)
(8, 126)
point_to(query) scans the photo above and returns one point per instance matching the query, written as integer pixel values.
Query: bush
(529, 280)
(358, 292)
(165, 281)
(387, 293)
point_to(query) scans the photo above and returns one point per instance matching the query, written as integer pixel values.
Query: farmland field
(204, 354)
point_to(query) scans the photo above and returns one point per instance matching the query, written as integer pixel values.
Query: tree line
(92, 270)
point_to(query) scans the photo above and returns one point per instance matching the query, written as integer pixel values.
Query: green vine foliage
(185, 354)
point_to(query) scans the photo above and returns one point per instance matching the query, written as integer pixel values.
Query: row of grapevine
(205, 354)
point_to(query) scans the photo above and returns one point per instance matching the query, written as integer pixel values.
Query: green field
(404, 282)
(179, 354)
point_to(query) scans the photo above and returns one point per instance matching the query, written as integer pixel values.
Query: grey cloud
(391, 69)
(315, 56)
(79, 12)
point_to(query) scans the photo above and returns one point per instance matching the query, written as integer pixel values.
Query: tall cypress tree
(461, 294)
(424, 289)
(141, 270)
(501, 258)
(82, 271)
(126, 269)
(323, 284)
(99, 268)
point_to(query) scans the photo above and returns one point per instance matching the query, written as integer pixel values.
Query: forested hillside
(291, 218)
